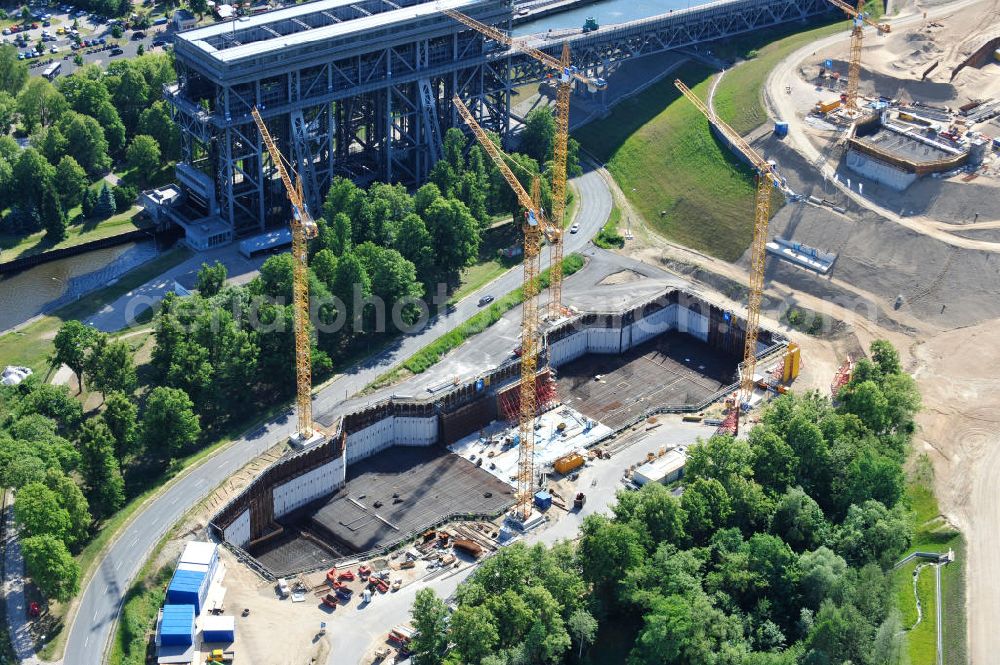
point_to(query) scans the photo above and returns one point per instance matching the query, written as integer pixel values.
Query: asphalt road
(101, 599)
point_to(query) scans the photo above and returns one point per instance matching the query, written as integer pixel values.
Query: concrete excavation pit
(672, 369)
(390, 496)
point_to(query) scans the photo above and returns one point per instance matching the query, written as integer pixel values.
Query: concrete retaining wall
(318, 471)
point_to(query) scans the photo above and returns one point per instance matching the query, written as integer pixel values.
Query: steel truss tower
(354, 88)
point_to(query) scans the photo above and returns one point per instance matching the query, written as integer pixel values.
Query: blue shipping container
(188, 587)
(781, 129)
(543, 499)
(177, 626)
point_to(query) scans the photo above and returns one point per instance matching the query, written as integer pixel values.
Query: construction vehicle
(826, 107)
(534, 223)
(860, 18)
(567, 75)
(580, 499)
(220, 656)
(590, 25)
(767, 180)
(303, 229)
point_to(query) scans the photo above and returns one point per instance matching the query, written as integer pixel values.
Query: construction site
(884, 151)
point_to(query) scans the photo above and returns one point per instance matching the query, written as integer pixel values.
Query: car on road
(116, 51)
(574, 228)
(137, 35)
(485, 300)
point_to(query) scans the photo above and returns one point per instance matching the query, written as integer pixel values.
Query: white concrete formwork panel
(238, 533)
(604, 340)
(692, 323)
(310, 486)
(649, 327)
(888, 175)
(370, 440)
(414, 431)
(568, 348)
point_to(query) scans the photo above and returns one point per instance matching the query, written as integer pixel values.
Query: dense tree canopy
(777, 552)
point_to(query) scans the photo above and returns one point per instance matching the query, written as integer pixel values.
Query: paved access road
(101, 599)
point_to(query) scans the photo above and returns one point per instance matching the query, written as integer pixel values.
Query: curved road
(101, 599)
(781, 106)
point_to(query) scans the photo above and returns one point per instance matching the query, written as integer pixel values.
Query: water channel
(49, 285)
(606, 12)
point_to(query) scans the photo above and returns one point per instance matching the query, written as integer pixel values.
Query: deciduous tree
(211, 278)
(430, 619)
(169, 425)
(51, 566)
(72, 345)
(37, 512)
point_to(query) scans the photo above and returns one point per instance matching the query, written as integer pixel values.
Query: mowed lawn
(932, 534)
(659, 149)
(739, 99)
(674, 171)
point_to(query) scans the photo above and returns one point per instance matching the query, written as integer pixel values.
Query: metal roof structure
(199, 552)
(320, 21)
(177, 624)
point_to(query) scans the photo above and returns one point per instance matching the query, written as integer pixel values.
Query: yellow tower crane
(303, 228)
(567, 74)
(534, 225)
(766, 181)
(860, 18)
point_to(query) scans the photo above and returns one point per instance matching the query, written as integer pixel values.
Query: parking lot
(65, 32)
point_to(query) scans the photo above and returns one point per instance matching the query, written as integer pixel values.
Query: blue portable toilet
(781, 129)
(188, 587)
(177, 625)
(543, 500)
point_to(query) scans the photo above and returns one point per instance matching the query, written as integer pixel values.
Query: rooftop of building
(320, 20)
(663, 466)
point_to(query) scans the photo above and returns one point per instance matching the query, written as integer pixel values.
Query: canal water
(606, 12)
(49, 285)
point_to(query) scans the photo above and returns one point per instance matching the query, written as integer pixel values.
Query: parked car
(485, 300)
(138, 34)
(116, 51)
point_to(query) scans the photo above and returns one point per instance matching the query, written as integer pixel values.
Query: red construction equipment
(346, 576)
(842, 377)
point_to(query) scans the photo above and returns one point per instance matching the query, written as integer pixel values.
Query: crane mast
(857, 41)
(534, 224)
(303, 228)
(766, 181)
(567, 75)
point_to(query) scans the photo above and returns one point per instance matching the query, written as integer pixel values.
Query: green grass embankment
(676, 174)
(673, 171)
(932, 534)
